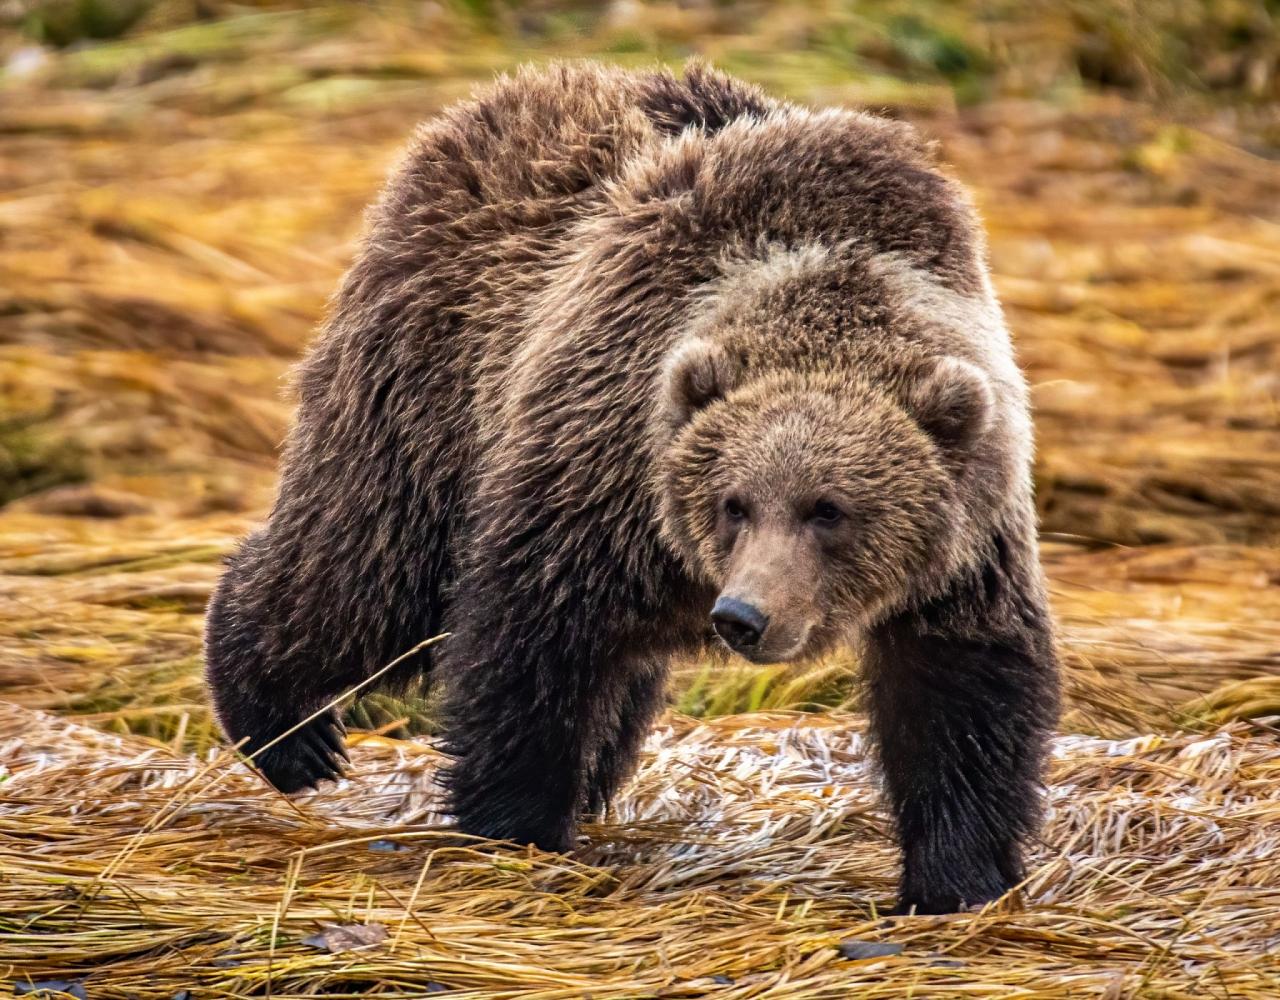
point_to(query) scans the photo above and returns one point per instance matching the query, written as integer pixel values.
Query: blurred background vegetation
(181, 186)
(976, 48)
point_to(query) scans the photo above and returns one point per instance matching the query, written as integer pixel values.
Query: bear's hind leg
(258, 706)
(962, 694)
(303, 615)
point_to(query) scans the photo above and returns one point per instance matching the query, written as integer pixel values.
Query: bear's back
(477, 210)
(531, 154)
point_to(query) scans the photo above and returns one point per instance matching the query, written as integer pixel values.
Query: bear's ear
(953, 401)
(697, 373)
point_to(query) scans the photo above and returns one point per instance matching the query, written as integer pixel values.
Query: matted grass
(747, 859)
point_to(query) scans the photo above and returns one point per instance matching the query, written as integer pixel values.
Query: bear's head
(814, 500)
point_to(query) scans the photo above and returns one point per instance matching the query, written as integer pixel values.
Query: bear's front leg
(551, 683)
(962, 695)
(635, 703)
(539, 739)
(563, 612)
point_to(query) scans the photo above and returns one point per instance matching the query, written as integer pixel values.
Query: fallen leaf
(347, 937)
(858, 951)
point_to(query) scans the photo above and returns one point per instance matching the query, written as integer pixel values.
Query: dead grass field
(175, 209)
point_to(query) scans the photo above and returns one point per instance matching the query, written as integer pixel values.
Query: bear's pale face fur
(825, 479)
(818, 500)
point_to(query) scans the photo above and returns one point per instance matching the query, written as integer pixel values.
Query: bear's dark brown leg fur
(565, 608)
(262, 688)
(537, 745)
(544, 715)
(962, 694)
(345, 577)
(614, 759)
(252, 714)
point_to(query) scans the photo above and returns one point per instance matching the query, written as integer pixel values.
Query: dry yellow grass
(745, 854)
(174, 211)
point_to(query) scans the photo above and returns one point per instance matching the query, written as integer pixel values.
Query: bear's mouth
(774, 650)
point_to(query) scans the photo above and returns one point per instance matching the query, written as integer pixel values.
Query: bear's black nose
(738, 623)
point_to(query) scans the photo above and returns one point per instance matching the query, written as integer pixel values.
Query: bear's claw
(303, 759)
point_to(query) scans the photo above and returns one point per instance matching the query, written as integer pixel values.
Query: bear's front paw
(956, 880)
(552, 837)
(943, 899)
(303, 758)
(926, 905)
(517, 815)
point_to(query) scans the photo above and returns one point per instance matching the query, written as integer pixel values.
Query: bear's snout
(768, 606)
(739, 624)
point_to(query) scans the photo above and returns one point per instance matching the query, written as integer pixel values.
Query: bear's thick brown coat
(618, 343)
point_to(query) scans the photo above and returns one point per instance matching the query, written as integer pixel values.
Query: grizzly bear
(629, 361)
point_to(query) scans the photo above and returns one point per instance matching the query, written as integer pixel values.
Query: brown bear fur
(619, 343)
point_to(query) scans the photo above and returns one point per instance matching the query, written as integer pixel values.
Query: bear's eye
(826, 513)
(734, 510)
